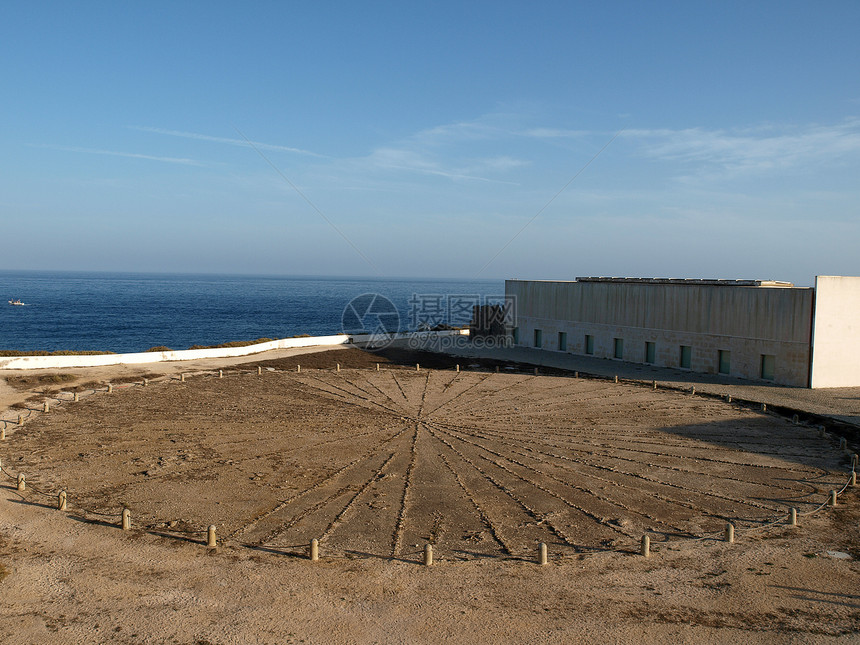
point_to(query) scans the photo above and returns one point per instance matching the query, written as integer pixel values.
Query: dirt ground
(375, 464)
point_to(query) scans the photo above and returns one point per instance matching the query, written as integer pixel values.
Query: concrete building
(753, 329)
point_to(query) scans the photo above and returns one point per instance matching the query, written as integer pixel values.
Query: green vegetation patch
(235, 343)
(28, 381)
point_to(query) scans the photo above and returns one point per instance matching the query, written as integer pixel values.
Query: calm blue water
(127, 312)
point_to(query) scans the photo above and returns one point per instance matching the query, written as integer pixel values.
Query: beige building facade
(751, 329)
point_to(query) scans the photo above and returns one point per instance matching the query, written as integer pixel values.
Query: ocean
(132, 312)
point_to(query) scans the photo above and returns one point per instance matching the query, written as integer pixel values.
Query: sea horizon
(123, 311)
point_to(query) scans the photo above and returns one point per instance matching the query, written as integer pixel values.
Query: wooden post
(536, 371)
(576, 375)
(417, 367)
(110, 388)
(654, 384)
(126, 519)
(315, 550)
(76, 397)
(298, 369)
(693, 390)
(855, 460)
(259, 370)
(338, 367)
(211, 539)
(616, 378)
(3, 432)
(20, 419)
(730, 532)
(377, 367)
(542, 554)
(792, 517)
(145, 382)
(61, 501)
(646, 546)
(853, 481)
(728, 398)
(428, 555)
(47, 406)
(458, 367)
(220, 373)
(832, 500)
(182, 378)
(22, 482)
(764, 407)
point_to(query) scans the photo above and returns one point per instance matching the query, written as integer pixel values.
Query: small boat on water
(16, 303)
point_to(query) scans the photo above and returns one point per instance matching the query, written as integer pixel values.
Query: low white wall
(42, 362)
(836, 332)
(98, 360)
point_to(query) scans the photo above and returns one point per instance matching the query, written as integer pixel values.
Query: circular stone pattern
(382, 462)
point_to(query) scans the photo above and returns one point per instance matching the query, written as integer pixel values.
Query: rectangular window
(725, 357)
(562, 341)
(619, 348)
(589, 344)
(516, 335)
(650, 352)
(538, 338)
(768, 365)
(686, 356)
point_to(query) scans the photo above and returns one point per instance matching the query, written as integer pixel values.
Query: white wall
(836, 332)
(98, 360)
(41, 362)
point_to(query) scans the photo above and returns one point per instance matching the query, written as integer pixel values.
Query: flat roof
(693, 281)
(682, 281)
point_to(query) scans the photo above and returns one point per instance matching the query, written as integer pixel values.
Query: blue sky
(492, 139)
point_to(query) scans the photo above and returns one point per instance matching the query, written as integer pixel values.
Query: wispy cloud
(480, 150)
(751, 149)
(225, 140)
(114, 153)
(409, 159)
(555, 133)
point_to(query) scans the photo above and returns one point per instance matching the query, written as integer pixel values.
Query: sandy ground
(377, 464)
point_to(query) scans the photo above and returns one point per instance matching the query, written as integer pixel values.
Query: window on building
(589, 344)
(686, 357)
(516, 334)
(725, 361)
(562, 341)
(768, 365)
(650, 352)
(619, 348)
(538, 338)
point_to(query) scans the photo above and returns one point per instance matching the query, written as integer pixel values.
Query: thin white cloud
(456, 132)
(130, 155)
(226, 140)
(555, 133)
(501, 163)
(392, 158)
(453, 151)
(752, 149)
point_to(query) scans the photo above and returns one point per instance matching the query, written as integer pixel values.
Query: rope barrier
(163, 526)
